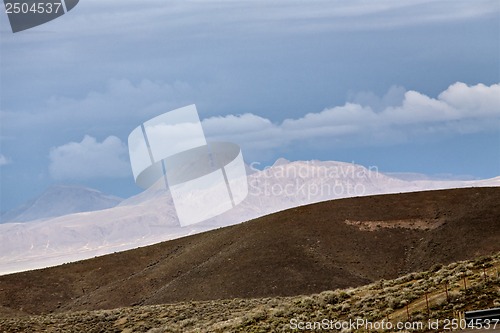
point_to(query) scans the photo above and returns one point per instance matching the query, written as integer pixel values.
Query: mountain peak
(61, 199)
(281, 161)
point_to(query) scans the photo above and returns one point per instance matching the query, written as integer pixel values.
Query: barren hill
(324, 246)
(432, 304)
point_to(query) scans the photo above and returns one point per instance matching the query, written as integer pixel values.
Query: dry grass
(384, 299)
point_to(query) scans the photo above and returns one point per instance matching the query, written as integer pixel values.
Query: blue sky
(408, 86)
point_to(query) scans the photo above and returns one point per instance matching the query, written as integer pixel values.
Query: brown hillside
(304, 250)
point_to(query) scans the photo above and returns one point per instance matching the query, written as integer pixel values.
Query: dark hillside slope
(324, 246)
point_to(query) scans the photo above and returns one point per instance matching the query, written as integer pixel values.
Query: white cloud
(4, 160)
(90, 159)
(474, 101)
(458, 109)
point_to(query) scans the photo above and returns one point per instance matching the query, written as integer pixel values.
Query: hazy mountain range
(150, 217)
(59, 200)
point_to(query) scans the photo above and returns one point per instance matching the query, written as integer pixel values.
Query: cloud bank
(90, 159)
(397, 117)
(460, 109)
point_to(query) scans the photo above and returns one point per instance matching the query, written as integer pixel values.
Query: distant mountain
(150, 216)
(59, 200)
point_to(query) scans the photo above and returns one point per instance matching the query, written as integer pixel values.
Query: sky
(407, 86)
